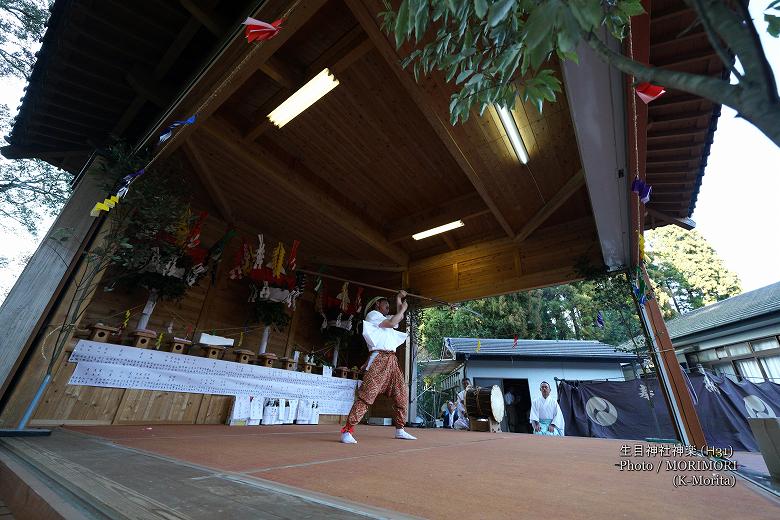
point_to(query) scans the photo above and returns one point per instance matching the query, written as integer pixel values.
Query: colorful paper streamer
(168, 132)
(257, 30)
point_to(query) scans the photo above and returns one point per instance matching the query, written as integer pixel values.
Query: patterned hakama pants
(384, 376)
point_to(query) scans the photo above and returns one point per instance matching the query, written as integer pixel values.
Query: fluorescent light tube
(508, 120)
(437, 230)
(303, 98)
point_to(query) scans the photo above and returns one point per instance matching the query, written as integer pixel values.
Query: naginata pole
(377, 287)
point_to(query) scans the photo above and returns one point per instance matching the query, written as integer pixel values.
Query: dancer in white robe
(546, 416)
(383, 375)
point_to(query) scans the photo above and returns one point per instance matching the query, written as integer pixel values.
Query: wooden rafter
(203, 172)
(564, 194)
(290, 179)
(246, 65)
(454, 139)
(459, 208)
(208, 17)
(348, 49)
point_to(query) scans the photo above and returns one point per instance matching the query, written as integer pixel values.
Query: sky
(736, 211)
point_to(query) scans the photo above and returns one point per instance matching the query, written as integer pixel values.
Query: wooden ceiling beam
(148, 88)
(670, 101)
(676, 134)
(570, 188)
(291, 180)
(210, 19)
(246, 64)
(352, 263)
(668, 171)
(204, 173)
(338, 58)
(682, 116)
(42, 152)
(184, 37)
(675, 42)
(464, 207)
(677, 147)
(686, 59)
(454, 139)
(679, 159)
(669, 14)
(282, 73)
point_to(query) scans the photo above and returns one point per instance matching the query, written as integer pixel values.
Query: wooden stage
(304, 472)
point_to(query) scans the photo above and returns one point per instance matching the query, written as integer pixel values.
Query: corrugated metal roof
(737, 308)
(535, 348)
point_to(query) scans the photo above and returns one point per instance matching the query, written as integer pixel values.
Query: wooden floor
(304, 472)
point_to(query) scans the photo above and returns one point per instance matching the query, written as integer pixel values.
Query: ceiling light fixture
(437, 230)
(510, 126)
(303, 98)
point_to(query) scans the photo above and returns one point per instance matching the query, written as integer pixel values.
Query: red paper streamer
(647, 92)
(257, 30)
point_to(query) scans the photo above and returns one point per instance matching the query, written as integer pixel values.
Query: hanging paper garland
(259, 253)
(600, 320)
(293, 255)
(479, 345)
(277, 260)
(641, 248)
(640, 288)
(127, 180)
(514, 345)
(643, 190)
(257, 30)
(343, 296)
(168, 132)
(359, 301)
(647, 92)
(106, 205)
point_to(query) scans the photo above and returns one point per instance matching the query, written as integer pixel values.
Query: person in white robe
(462, 423)
(546, 416)
(383, 375)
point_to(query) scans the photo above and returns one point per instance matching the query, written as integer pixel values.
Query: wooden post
(671, 378)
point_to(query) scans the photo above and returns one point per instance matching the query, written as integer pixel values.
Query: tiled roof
(535, 348)
(737, 308)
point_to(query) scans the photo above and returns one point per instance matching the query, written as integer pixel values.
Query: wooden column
(671, 378)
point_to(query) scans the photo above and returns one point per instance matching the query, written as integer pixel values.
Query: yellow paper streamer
(277, 261)
(159, 340)
(479, 346)
(106, 205)
(641, 248)
(127, 319)
(240, 339)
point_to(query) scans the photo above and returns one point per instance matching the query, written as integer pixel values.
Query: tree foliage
(29, 188)
(22, 24)
(687, 271)
(497, 50)
(680, 263)
(561, 312)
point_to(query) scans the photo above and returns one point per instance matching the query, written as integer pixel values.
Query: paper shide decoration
(258, 31)
(643, 190)
(176, 124)
(647, 92)
(600, 320)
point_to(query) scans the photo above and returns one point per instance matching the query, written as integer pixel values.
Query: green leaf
(538, 26)
(420, 18)
(480, 8)
(774, 24)
(402, 26)
(474, 79)
(631, 7)
(463, 75)
(499, 11)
